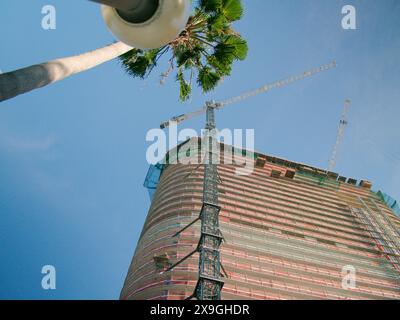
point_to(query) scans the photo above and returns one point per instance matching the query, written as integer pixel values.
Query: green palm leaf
(208, 79)
(139, 63)
(185, 87)
(210, 5)
(232, 9)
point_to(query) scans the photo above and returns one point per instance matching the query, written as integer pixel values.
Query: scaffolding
(381, 230)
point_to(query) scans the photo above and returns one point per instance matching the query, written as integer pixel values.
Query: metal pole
(120, 4)
(134, 11)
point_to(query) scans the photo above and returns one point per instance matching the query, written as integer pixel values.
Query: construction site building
(291, 231)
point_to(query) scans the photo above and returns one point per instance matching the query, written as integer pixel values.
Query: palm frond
(139, 63)
(210, 5)
(207, 79)
(185, 87)
(232, 10)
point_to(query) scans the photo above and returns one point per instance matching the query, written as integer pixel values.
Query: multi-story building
(291, 231)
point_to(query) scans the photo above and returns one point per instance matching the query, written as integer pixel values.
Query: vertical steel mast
(210, 283)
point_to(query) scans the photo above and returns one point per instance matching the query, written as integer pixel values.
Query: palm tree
(207, 47)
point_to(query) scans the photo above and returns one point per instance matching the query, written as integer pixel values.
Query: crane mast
(210, 284)
(340, 134)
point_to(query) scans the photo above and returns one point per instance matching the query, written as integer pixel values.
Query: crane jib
(249, 94)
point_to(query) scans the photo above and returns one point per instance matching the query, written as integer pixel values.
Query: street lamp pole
(133, 11)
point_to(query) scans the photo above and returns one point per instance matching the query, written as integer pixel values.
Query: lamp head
(150, 24)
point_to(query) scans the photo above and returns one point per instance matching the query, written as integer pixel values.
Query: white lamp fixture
(150, 25)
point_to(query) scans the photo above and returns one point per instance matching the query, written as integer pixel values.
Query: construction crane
(210, 282)
(341, 130)
(244, 96)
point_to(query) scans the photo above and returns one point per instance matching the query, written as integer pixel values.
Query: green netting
(391, 203)
(318, 179)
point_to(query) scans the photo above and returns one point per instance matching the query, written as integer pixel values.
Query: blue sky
(72, 155)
